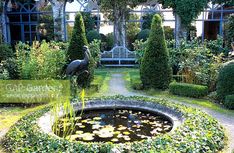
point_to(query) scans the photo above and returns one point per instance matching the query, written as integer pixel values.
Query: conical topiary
(78, 40)
(155, 70)
(75, 51)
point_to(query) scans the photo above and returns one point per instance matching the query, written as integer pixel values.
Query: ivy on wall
(187, 10)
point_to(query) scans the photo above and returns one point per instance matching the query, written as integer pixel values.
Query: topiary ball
(225, 84)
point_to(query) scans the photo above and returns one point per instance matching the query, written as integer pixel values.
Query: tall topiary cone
(78, 40)
(75, 50)
(155, 70)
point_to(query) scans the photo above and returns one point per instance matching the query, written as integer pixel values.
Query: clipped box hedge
(188, 90)
(199, 133)
(229, 101)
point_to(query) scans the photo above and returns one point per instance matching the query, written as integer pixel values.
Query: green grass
(100, 83)
(134, 75)
(9, 115)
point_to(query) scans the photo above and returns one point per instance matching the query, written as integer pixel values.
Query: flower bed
(198, 133)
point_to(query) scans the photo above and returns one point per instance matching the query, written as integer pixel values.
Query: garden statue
(78, 67)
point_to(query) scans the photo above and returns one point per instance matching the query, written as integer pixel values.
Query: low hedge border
(188, 90)
(199, 133)
(229, 101)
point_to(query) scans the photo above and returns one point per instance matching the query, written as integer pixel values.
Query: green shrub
(169, 33)
(198, 130)
(139, 48)
(132, 29)
(93, 34)
(78, 40)
(40, 61)
(230, 31)
(5, 52)
(95, 51)
(89, 21)
(11, 66)
(155, 70)
(143, 34)
(188, 90)
(109, 41)
(229, 101)
(225, 84)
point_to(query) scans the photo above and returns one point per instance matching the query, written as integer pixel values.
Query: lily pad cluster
(117, 126)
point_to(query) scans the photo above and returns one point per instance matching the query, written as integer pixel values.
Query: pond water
(117, 126)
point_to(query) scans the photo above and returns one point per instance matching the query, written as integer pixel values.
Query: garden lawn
(9, 115)
(132, 78)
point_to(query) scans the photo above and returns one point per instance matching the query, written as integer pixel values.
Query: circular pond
(113, 125)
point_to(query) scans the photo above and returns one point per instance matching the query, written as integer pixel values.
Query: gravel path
(117, 87)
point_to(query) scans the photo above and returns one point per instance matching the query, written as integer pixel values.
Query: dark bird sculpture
(78, 67)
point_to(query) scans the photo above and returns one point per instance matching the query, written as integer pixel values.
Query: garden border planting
(198, 133)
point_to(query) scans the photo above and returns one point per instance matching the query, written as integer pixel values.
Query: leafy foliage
(41, 60)
(46, 24)
(93, 34)
(147, 20)
(121, 5)
(225, 85)
(78, 40)
(108, 41)
(186, 9)
(230, 31)
(143, 34)
(200, 133)
(155, 70)
(196, 62)
(5, 52)
(132, 29)
(95, 51)
(229, 101)
(188, 90)
(139, 47)
(89, 21)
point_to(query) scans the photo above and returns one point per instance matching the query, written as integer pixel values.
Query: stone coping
(46, 121)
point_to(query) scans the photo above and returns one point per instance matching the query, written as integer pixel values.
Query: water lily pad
(84, 121)
(97, 118)
(115, 140)
(122, 128)
(119, 136)
(87, 136)
(106, 132)
(126, 133)
(78, 118)
(79, 132)
(96, 126)
(127, 138)
(78, 124)
(117, 132)
(82, 126)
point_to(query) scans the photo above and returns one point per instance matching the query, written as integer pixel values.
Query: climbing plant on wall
(187, 10)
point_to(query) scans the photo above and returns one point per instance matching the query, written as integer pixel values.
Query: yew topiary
(78, 40)
(155, 70)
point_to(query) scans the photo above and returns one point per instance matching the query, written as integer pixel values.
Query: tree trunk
(180, 30)
(58, 16)
(119, 28)
(3, 28)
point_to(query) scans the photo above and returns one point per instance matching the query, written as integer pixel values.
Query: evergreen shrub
(155, 70)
